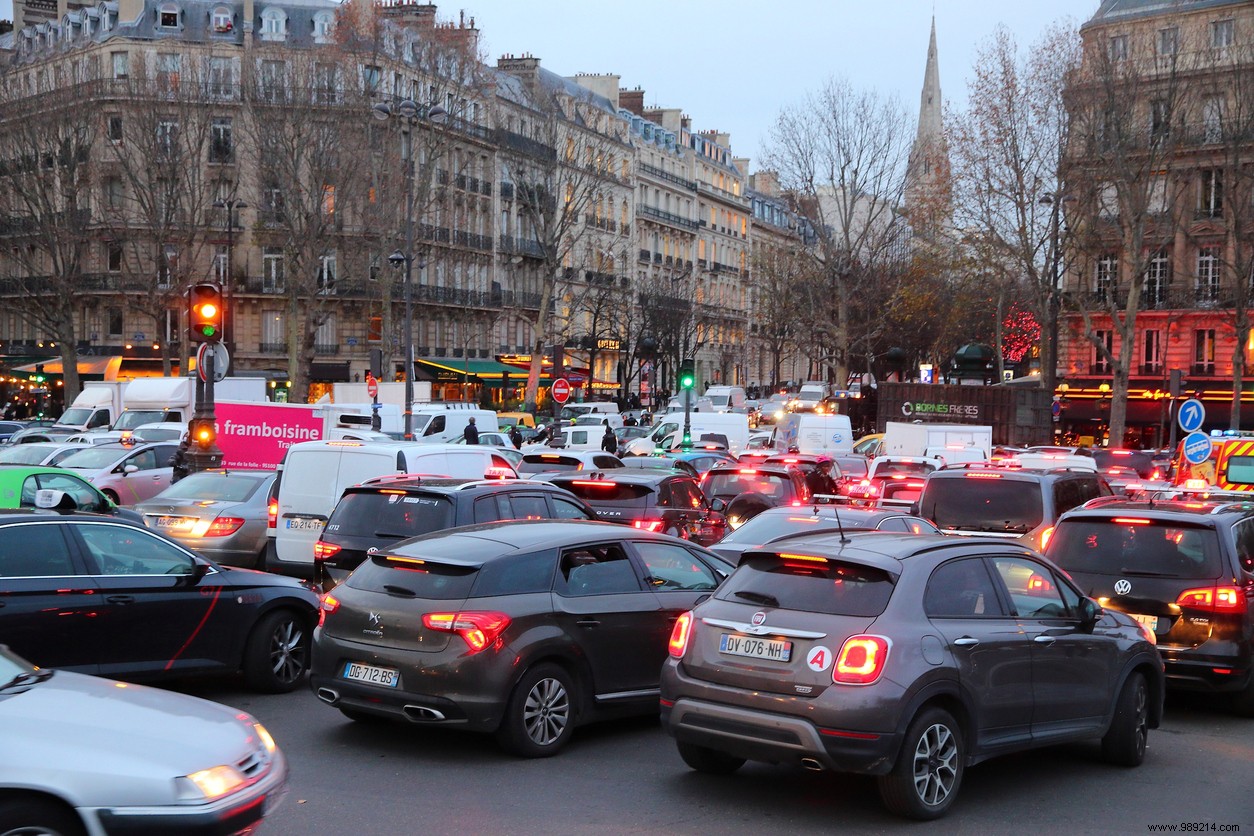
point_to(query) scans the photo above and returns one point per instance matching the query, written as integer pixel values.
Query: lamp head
(397, 259)
(381, 111)
(407, 108)
(437, 114)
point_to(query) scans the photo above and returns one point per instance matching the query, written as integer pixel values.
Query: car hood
(127, 735)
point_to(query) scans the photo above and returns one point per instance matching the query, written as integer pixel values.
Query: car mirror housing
(1090, 613)
(131, 468)
(718, 505)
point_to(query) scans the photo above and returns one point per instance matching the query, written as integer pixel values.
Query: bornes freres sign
(922, 409)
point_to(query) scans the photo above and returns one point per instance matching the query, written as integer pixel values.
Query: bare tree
(780, 277)
(844, 154)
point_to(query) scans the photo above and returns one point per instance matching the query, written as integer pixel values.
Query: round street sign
(561, 390)
(1191, 415)
(372, 387)
(1197, 447)
(221, 361)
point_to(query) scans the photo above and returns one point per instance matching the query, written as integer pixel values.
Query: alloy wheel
(935, 764)
(546, 712)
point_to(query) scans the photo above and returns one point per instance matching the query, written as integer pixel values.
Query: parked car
(7, 428)
(1184, 568)
(907, 658)
(781, 484)
(522, 629)
(1142, 461)
(668, 502)
(537, 464)
(20, 486)
(48, 453)
(778, 524)
(84, 755)
(126, 473)
(106, 596)
(219, 513)
(373, 516)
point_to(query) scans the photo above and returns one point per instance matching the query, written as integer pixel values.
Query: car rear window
(974, 503)
(390, 514)
(810, 585)
(766, 527)
(1139, 460)
(214, 486)
(594, 491)
(736, 482)
(413, 577)
(545, 463)
(1136, 546)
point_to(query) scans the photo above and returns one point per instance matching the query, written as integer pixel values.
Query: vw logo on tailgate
(1123, 587)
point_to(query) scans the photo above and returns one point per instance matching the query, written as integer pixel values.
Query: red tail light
(861, 660)
(1038, 584)
(328, 605)
(479, 629)
(748, 471)
(325, 551)
(680, 635)
(1225, 599)
(272, 514)
(594, 483)
(223, 526)
(649, 525)
(982, 475)
(1046, 536)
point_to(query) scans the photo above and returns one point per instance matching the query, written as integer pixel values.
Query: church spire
(927, 187)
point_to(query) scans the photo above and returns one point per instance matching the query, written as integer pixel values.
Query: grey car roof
(454, 545)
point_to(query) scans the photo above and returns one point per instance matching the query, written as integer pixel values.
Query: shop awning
(106, 367)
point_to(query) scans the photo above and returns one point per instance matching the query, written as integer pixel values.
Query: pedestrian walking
(471, 433)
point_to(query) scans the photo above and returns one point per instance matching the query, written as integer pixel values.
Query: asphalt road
(625, 777)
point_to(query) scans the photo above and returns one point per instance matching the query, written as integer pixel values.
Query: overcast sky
(731, 65)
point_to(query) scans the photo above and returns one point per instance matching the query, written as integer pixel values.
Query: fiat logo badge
(759, 618)
(1123, 587)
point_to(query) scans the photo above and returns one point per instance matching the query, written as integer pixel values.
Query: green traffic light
(208, 330)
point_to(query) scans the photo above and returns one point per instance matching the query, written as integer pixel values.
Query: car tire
(37, 817)
(276, 657)
(708, 761)
(928, 772)
(112, 497)
(540, 715)
(1125, 740)
(1243, 701)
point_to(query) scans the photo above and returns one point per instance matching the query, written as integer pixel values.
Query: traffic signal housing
(687, 374)
(203, 434)
(205, 312)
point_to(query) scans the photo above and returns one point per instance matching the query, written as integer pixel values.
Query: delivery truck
(931, 439)
(96, 407)
(152, 400)
(257, 435)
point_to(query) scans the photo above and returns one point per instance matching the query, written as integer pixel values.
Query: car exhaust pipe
(812, 765)
(328, 696)
(422, 714)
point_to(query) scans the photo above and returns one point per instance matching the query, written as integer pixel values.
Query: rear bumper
(1217, 674)
(291, 568)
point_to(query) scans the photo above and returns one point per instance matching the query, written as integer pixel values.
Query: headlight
(208, 784)
(265, 738)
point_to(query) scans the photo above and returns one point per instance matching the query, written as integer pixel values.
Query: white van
(573, 410)
(599, 419)
(315, 473)
(734, 426)
(813, 434)
(726, 398)
(441, 423)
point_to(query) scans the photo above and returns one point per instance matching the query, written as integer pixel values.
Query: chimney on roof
(632, 100)
(525, 67)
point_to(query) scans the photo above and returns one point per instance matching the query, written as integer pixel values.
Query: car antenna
(839, 525)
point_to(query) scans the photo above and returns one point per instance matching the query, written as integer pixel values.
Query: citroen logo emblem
(374, 619)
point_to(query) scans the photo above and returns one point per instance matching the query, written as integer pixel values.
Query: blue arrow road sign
(1192, 414)
(1197, 447)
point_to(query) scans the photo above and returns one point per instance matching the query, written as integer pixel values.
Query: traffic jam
(900, 605)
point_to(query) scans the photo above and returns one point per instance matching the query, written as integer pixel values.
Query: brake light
(807, 557)
(648, 525)
(982, 475)
(1121, 452)
(1046, 536)
(1130, 521)
(1038, 584)
(327, 606)
(680, 635)
(594, 483)
(748, 471)
(272, 514)
(1227, 599)
(861, 660)
(325, 551)
(392, 492)
(1156, 476)
(479, 629)
(220, 527)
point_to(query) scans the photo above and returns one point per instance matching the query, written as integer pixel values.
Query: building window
(273, 80)
(326, 274)
(113, 257)
(167, 137)
(1213, 118)
(1152, 352)
(169, 65)
(113, 317)
(1106, 277)
(1204, 351)
(115, 129)
(1157, 277)
(273, 24)
(326, 341)
(326, 84)
(1160, 120)
(1210, 198)
(222, 77)
(1168, 41)
(371, 78)
(220, 264)
(273, 334)
(121, 63)
(272, 279)
(113, 193)
(1207, 274)
(1222, 34)
(323, 23)
(1101, 359)
(167, 265)
(168, 16)
(221, 144)
(223, 20)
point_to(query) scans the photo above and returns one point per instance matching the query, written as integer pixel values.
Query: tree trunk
(539, 345)
(69, 368)
(1238, 368)
(297, 372)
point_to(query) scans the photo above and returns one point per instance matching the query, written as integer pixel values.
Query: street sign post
(1197, 447)
(1191, 415)
(372, 387)
(561, 390)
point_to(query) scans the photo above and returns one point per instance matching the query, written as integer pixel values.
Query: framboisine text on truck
(288, 434)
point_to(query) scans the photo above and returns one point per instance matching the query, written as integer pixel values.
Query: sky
(732, 65)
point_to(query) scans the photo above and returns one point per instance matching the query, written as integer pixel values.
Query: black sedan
(524, 629)
(105, 596)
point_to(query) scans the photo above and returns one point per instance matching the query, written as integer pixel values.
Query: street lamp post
(410, 113)
(230, 205)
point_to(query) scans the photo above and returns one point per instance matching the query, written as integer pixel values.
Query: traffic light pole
(202, 456)
(687, 442)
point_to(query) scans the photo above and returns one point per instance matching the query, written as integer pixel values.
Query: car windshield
(222, 487)
(983, 504)
(24, 454)
(133, 418)
(1136, 547)
(389, 514)
(93, 458)
(766, 527)
(823, 586)
(735, 482)
(74, 417)
(905, 468)
(548, 463)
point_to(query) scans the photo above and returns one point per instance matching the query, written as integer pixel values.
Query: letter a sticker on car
(819, 658)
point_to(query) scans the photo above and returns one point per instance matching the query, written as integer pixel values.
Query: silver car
(85, 754)
(126, 473)
(219, 513)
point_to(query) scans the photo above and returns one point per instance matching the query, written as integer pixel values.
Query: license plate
(173, 522)
(755, 648)
(1150, 621)
(370, 674)
(305, 525)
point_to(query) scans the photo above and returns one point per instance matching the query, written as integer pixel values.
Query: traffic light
(205, 311)
(687, 374)
(39, 374)
(203, 434)
(1177, 383)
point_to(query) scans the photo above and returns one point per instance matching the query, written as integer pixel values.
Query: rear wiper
(1145, 573)
(28, 678)
(393, 535)
(399, 590)
(758, 597)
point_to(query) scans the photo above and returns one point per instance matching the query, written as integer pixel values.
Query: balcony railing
(691, 185)
(667, 217)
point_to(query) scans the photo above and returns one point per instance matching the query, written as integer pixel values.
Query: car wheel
(1243, 701)
(277, 654)
(925, 780)
(111, 496)
(540, 716)
(709, 761)
(36, 817)
(1124, 743)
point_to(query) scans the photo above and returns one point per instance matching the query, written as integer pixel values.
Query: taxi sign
(1191, 415)
(1197, 447)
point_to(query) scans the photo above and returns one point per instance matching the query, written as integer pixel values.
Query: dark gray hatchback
(904, 657)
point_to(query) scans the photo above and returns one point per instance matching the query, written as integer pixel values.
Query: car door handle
(121, 599)
(1044, 639)
(966, 641)
(588, 622)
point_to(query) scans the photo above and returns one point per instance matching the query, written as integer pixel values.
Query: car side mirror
(131, 468)
(914, 509)
(718, 505)
(1090, 613)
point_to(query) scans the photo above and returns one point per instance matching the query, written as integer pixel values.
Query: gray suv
(906, 657)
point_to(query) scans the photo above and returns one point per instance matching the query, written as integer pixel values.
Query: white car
(85, 754)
